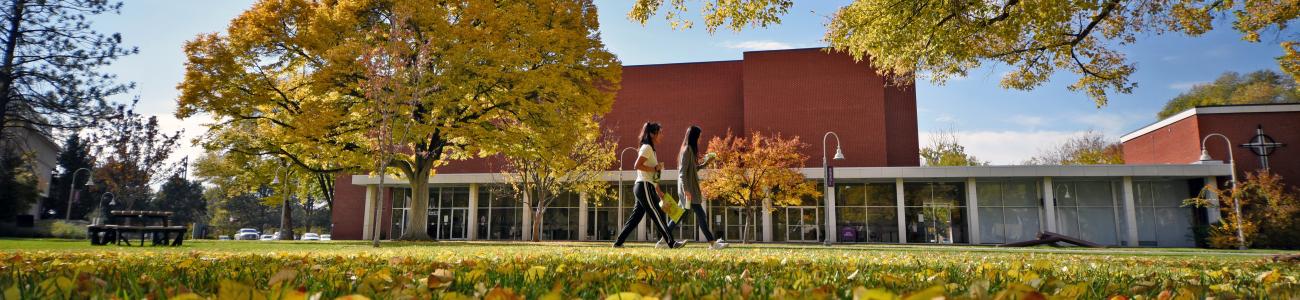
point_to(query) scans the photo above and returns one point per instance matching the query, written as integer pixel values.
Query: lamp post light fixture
(620, 183)
(102, 211)
(826, 185)
(72, 188)
(1232, 165)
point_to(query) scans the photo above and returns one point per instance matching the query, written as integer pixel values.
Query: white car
(310, 237)
(324, 237)
(247, 234)
(267, 237)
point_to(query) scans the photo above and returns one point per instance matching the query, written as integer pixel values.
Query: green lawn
(224, 269)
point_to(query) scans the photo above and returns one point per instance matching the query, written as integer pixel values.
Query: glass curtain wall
(1089, 210)
(1162, 220)
(603, 221)
(401, 211)
(936, 212)
(448, 212)
(866, 212)
(560, 220)
(499, 213)
(1009, 211)
(799, 223)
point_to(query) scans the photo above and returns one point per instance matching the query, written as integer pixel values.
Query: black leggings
(701, 221)
(647, 200)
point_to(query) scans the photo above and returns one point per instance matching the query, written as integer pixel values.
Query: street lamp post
(101, 210)
(620, 182)
(1232, 165)
(826, 183)
(72, 188)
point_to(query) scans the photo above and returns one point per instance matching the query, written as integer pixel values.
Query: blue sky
(1002, 126)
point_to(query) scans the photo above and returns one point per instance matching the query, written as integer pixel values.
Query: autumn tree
(50, 71)
(134, 155)
(456, 72)
(541, 166)
(1259, 87)
(946, 150)
(276, 182)
(750, 170)
(1087, 148)
(1269, 212)
(946, 39)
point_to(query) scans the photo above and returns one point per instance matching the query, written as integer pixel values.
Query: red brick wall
(349, 209)
(707, 94)
(900, 126)
(1284, 127)
(807, 92)
(348, 214)
(1177, 143)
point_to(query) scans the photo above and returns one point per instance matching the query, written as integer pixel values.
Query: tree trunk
(286, 219)
(744, 227)
(7, 68)
(417, 225)
(537, 225)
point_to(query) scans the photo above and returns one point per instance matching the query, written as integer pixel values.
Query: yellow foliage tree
(945, 39)
(448, 78)
(748, 171)
(543, 165)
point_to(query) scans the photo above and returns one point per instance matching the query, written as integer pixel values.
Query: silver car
(310, 237)
(247, 234)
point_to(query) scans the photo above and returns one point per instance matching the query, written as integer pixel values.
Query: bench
(147, 225)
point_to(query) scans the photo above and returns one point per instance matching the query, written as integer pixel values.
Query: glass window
(1087, 210)
(1008, 211)
(1162, 221)
(935, 212)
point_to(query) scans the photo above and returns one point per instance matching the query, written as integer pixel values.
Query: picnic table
(123, 225)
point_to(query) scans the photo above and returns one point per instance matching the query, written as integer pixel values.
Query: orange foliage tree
(761, 167)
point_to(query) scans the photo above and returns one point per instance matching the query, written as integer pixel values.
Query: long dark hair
(647, 133)
(692, 140)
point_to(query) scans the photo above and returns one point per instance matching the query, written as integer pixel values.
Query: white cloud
(1006, 147)
(1187, 85)
(758, 45)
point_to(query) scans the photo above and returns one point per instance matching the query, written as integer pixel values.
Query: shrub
(1268, 213)
(68, 230)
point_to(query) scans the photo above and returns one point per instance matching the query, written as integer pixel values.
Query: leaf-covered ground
(48, 269)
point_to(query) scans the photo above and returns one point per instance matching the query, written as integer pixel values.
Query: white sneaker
(681, 243)
(660, 244)
(718, 245)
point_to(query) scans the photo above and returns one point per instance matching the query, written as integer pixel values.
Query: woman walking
(646, 188)
(688, 185)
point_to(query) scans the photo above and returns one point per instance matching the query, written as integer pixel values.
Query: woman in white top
(646, 188)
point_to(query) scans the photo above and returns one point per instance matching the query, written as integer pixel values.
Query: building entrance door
(453, 224)
(802, 224)
(937, 219)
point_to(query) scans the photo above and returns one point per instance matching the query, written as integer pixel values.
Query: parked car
(310, 237)
(247, 234)
(324, 237)
(223, 238)
(268, 237)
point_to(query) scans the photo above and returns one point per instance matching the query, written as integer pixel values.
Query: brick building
(881, 195)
